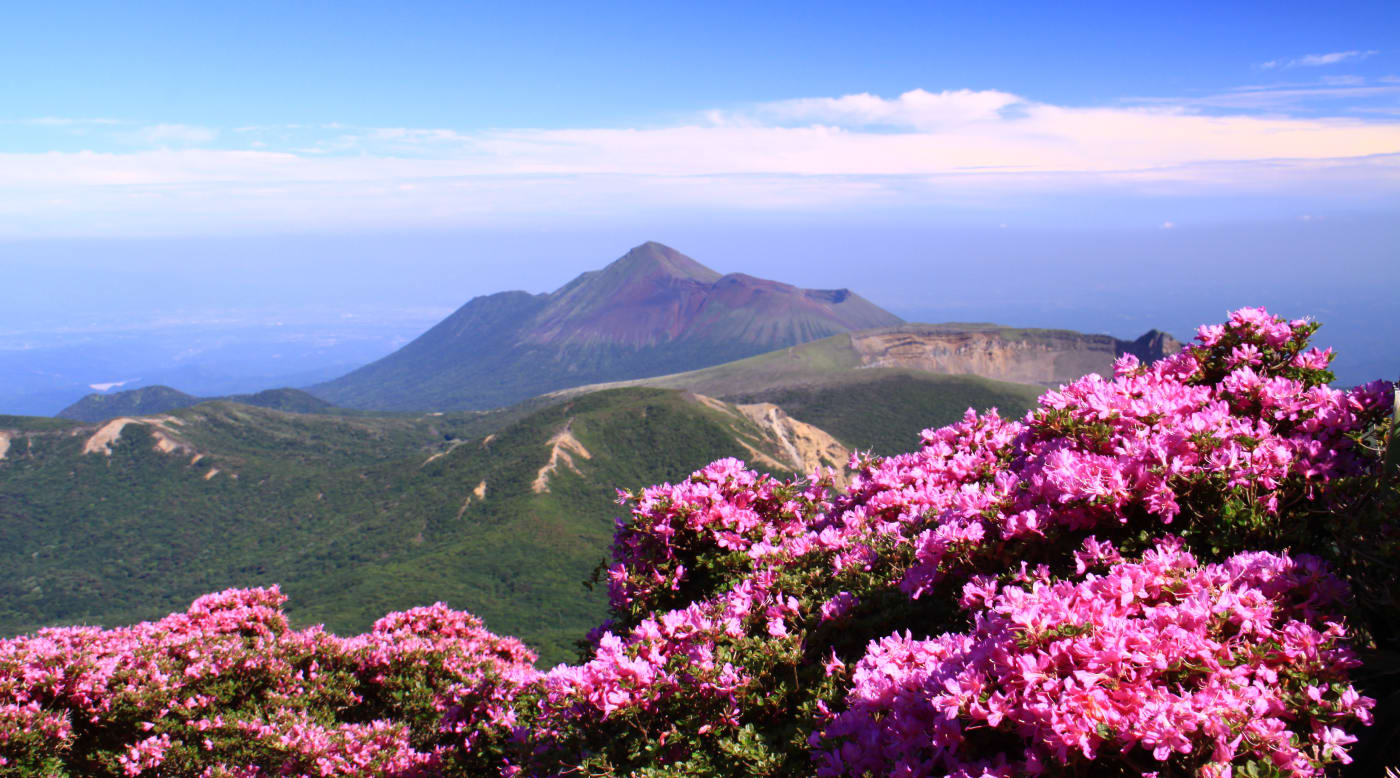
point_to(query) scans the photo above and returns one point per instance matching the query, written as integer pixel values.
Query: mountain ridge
(147, 400)
(652, 311)
(1049, 357)
(1045, 357)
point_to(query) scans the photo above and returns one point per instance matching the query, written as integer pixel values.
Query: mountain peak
(652, 311)
(652, 258)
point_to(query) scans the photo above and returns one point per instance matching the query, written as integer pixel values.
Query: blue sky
(475, 66)
(1031, 163)
(139, 119)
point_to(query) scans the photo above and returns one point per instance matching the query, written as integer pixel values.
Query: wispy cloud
(417, 136)
(173, 134)
(119, 132)
(919, 149)
(56, 121)
(1322, 95)
(1342, 80)
(1289, 97)
(917, 109)
(1317, 60)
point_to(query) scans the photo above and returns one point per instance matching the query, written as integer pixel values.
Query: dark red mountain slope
(653, 311)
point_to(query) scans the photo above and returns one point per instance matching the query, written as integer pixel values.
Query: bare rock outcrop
(563, 447)
(1045, 357)
(162, 430)
(791, 445)
(805, 448)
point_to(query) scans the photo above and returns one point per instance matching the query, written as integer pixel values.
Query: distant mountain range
(651, 315)
(652, 312)
(159, 399)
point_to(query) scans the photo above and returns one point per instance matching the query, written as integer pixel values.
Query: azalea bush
(229, 689)
(1187, 569)
(1154, 663)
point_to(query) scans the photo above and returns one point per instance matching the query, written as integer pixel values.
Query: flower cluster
(1237, 442)
(227, 688)
(1159, 444)
(719, 517)
(1114, 584)
(1158, 661)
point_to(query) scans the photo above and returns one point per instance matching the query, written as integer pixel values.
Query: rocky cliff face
(1045, 357)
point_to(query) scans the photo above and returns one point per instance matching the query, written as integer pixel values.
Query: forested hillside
(122, 521)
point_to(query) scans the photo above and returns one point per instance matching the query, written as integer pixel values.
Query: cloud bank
(949, 149)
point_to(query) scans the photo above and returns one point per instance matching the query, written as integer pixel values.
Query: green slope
(132, 402)
(356, 514)
(823, 383)
(883, 410)
(353, 516)
(35, 423)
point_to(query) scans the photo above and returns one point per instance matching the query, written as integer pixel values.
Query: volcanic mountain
(652, 312)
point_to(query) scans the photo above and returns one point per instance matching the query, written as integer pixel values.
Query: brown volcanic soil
(654, 295)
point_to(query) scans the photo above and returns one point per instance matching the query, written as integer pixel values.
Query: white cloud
(914, 109)
(1317, 60)
(956, 148)
(415, 136)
